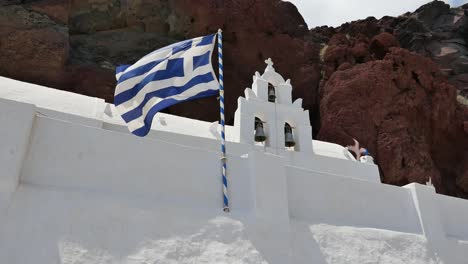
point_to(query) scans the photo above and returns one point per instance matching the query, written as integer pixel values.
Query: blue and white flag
(170, 75)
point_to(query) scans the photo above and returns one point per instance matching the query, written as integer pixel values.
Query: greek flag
(170, 75)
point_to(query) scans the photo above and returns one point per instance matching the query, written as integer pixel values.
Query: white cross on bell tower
(270, 101)
(269, 63)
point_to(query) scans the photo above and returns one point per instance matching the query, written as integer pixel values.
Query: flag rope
(221, 110)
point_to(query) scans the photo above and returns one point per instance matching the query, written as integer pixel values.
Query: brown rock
(404, 111)
(434, 30)
(33, 48)
(106, 33)
(339, 39)
(57, 10)
(462, 179)
(41, 56)
(253, 31)
(380, 45)
(91, 81)
(368, 27)
(344, 49)
(345, 66)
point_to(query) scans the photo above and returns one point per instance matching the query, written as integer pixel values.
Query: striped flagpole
(221, 110)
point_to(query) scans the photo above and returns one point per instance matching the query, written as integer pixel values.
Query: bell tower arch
(270, 100)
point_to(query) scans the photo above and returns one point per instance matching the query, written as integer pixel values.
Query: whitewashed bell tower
(275, 114)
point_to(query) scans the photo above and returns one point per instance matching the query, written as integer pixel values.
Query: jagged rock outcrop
(397, 103)
(403, 101)
(343, 51)
(434, 30)
(441, 33)
(407, 118)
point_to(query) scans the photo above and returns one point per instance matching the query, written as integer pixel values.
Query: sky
(337, 12)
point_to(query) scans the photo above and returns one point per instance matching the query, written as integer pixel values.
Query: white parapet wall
(17, 120)
(76, 187)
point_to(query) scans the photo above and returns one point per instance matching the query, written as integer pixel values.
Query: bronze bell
(271, 93)
(259, 133)
(288, 136)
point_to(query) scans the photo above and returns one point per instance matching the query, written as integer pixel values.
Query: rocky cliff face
(75, 45)
(411, 107)
(434, 30)
(359, 80)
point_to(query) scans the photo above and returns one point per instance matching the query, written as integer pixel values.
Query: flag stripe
(164, 53)
(202, 60)
(156, 55)
(177, 73)
(173, 69)
(143, 131)
(160, 84)
(122, 68)
(164, 93)
(185, 96)
(138, 71)
(134, 83)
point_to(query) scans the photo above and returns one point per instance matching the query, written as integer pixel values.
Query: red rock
(380, 45)
(343, 49)
(34, 54)
(91, 81)
(462, 179)
(368, 27)
(404, 111)
(253, 31)
(345, 66)
(339, 39)
(360, 52)
(57, 10)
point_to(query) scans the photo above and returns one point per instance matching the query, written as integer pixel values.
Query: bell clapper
(289, 142)
(259, 131)
(271, 93)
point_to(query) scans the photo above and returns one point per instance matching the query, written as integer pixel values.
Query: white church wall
(52, 225)
(268, 180)
(284, 92)
(77, 119)
(85, 158)
(51, 99)
(298, 119)
(16, 121)
(260, 88)
(332, 150)
(76, 183)
(431, 221)
(334, 166)
(454, 214)
(205, 142)
(459, 251)
(233, 148)
(321, 198)
(245, 121)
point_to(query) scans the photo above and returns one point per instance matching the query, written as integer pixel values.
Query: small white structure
(77, 187)
(367, 159)
(281, 112)
(275, 114)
